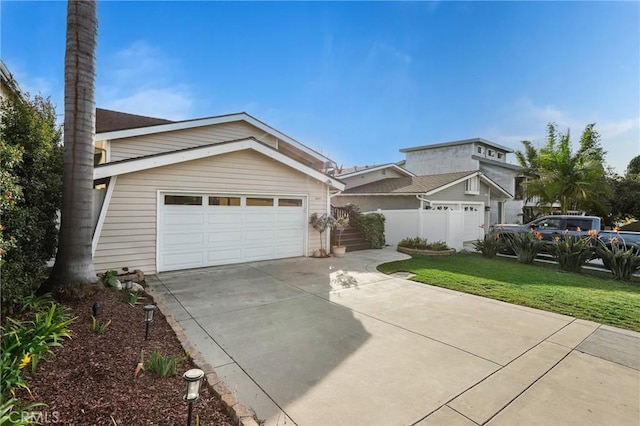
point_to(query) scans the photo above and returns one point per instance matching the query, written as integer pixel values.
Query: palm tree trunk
(74, 260)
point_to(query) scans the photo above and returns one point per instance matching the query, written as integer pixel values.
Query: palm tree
(74, 261)
(575, 180)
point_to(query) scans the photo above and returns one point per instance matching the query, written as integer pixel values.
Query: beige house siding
(138, 146)
(369, 177)
(128, 235)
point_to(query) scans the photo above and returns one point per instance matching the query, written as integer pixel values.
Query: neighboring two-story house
(478, 155)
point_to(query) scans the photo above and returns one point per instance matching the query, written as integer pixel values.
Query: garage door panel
(185, 218)
(182, 260)
(259, 252)
(231, 238)
(260, 236)
(182, 238)
(232, 218)
(260, 218)
(223, 256)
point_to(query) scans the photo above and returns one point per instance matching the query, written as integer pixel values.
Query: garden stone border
(417, 252)
(240, 413)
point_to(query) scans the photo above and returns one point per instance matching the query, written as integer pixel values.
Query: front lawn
(590, 296)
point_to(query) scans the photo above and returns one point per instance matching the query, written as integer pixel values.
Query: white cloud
(525, 120)
(139, 79)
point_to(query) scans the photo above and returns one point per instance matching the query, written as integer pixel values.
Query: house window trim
(472, 186)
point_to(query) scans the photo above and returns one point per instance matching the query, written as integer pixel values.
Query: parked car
(559, 226)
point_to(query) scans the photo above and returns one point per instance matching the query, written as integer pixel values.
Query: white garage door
(196, 230)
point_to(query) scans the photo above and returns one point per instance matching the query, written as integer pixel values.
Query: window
(224, 201)
(550, 223)
(182, 200)
(491, 153)
(260, 202)
(472, 185)
(575, 224)
(520, 188)
(500, 155)
(289, 202)
(480, 150)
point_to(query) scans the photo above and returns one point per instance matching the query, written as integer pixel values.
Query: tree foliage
(31, 188)
(625, 197)
(557, 174)
(633, 169)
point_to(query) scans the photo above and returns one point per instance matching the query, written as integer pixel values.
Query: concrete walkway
(333, 342)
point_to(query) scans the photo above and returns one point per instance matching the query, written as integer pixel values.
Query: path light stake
(148, 318)
(96, 309)
(193, 378)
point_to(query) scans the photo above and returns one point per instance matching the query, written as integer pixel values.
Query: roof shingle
(409, 185)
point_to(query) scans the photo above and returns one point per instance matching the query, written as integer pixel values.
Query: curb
(240, 413)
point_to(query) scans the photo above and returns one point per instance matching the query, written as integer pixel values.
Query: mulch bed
(90, 379)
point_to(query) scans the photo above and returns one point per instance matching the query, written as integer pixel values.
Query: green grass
(591, 295)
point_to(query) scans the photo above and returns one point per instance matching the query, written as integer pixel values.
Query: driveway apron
(334, 342)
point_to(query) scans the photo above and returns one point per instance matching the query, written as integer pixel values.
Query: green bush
(31, 193)
(372, 226)
(490, 245)
(525, 245)
(571, 253)
(161, 365)
(419, 243)
(621, 260)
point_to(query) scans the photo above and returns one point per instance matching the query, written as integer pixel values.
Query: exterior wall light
(193, 378)
(148, 318)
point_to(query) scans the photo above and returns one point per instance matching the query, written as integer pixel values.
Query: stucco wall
(456, 158)
(368, 177)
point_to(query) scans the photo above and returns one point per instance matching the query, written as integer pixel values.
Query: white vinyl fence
(451, 226)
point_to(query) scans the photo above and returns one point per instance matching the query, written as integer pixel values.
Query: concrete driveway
(333, 342)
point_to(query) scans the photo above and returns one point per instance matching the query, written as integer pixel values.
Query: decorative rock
(118, 285)
(135, 287)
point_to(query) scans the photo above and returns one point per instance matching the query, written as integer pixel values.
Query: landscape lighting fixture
(193, 378)
(148, 318)
(96, 309)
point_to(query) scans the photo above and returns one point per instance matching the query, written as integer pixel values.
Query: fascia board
(146, 163)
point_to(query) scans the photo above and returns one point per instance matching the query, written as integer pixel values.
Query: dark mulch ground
(90, 380)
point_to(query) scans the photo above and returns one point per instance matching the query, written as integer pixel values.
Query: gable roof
(458, 142)
(110, 121)
(498, 163)
(208, 121)
(137, 164)
(411, 185)
(358, 170)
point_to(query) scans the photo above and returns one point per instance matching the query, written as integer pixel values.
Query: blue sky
(357, 80)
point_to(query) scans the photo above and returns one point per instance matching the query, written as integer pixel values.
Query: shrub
(372, 226)
(99, 327)
(321, 223)
(419, 243)
(525, 245)
(490, 245)
(339, 225)
(30, 193)
(414, 243)
(110, 278)
(161, 365)
(571, 253)
(621, 260)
